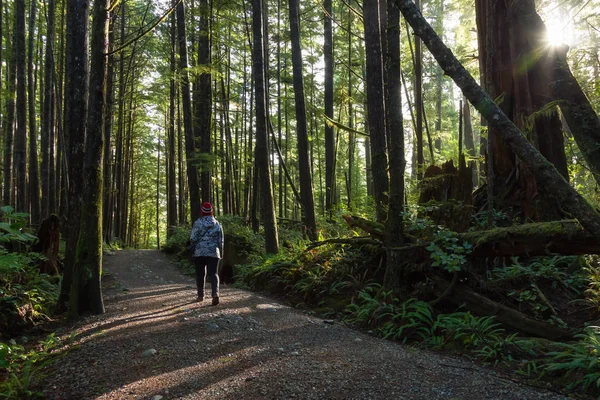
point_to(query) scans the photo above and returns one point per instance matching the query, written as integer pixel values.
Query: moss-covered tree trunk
(544, 171)
(76, 88)
(86, 291)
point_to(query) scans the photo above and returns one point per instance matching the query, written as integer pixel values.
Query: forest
(426, 170)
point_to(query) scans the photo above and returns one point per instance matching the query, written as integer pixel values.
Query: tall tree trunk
(419, 101)
(2, 22)
(47, 116)
(329, 136)
(262, 153)
(21, 131)
(517, 71)
(544, 171)
(181, 167)
(376, 108)
(9, 124)
(34, 181)
(171, 189)
(190, 147)
(352, 138)
(279, 111)
(107, 192)
(439, 76)
(394, 223)
(204, 102)
(86, 291)
(158, 198)
(76, 89)
(306, 190)
(119, 140)
(61, 115)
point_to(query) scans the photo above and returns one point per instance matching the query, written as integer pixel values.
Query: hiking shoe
(215, 301)
(200, 299)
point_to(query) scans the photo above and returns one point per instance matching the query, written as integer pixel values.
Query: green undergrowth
(21, 366)
(343, 282)
(27, 297)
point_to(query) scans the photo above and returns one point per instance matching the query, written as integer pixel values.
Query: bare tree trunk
(306, 190)
(107, 192)
(352, 138)
(119, 140)
(34, 180)
(171, 189)
(192, 170)
(376, 107)
(329, 137)
(203, 104)
(158, 198)
(419, 101)
(47, 116)
(394, 224)
(9, 124)
(262, 153)
(21, 131)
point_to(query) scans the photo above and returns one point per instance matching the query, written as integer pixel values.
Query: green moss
(546, 229)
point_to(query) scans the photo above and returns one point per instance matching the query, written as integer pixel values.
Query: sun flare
(557, 31)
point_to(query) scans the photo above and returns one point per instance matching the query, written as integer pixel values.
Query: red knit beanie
(207, 209)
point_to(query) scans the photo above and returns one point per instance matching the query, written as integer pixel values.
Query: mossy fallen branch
(565, 237)
(355, 241)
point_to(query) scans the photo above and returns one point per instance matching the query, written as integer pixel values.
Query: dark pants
(202, 264)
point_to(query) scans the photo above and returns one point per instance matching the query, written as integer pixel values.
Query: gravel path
(154, 341)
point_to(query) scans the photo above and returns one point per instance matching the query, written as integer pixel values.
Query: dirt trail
(248, 347)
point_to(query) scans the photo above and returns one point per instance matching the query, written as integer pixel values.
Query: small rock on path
(248, 347)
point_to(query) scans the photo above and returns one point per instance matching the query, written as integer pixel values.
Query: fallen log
(357, 241)
(48, 245)
(481, 305)
(565, 237)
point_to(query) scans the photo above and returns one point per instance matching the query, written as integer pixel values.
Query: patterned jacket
(207, 237)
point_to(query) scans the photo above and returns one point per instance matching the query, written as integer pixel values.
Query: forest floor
(156, 342)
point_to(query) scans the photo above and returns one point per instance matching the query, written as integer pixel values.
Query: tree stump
(448, 192)
(48, 244)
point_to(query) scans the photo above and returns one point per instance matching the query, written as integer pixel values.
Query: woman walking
(207, 242)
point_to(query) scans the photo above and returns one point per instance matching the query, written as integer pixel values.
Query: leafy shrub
(20, 367)
(176, 243)
(481, 336)
(26, 296)
(580, 360)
